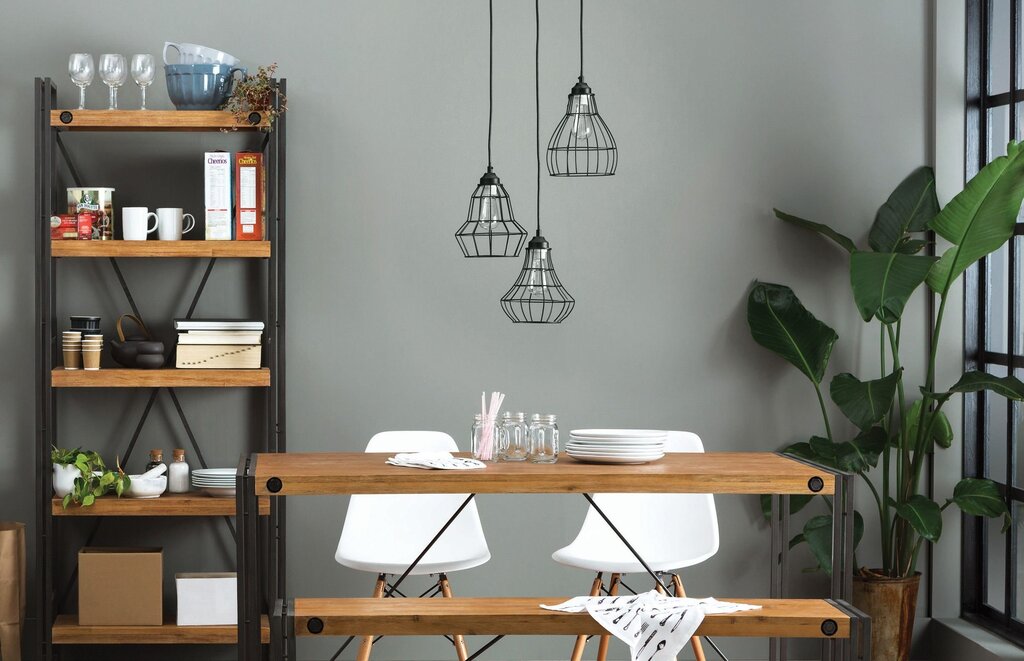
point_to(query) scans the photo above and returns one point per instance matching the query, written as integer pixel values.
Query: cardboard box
(134, 575)
(207, 598)
(250, 179)
(217, 182)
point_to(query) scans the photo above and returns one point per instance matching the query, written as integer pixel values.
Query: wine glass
(113, 71)
(143, 73)
(81, 68)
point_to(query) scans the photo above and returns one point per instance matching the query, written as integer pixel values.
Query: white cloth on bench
(654, 626)
(437, 460)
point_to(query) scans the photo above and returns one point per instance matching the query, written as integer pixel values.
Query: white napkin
(438, 460)
(655, 627)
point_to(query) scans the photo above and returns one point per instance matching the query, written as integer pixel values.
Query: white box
(207, 598)
(217, 180)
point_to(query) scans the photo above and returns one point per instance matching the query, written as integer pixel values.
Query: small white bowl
(150, 487)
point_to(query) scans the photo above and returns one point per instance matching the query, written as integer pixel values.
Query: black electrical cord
(581, 40)
(490, 83)
(536, 7)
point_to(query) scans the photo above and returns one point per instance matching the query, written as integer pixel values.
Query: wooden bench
(781, 618)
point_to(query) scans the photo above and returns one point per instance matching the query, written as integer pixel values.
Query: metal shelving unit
(53, 383)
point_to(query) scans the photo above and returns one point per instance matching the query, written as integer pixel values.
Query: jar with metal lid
(515, 437)
(484, 438)
(543, 439)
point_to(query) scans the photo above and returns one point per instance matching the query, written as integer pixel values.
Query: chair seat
(617, 559)
(425, 566)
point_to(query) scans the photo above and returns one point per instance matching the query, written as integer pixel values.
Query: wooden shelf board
(150, 120)
(333, 473)
(67, 631)
(790, 618)
(245, 249)
(161, 378)
(170, 504)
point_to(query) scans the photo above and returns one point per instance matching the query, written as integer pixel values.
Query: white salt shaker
(177, 473)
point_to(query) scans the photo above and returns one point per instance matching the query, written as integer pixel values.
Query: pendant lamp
(490, 229)
(537, 297)
(582, 144)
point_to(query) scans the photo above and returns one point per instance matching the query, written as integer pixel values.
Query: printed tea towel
(438, 460)
(655, 627)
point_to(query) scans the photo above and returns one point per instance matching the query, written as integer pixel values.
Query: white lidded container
(207, 598)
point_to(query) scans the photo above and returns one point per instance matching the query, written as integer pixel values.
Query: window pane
(998, 131)
(995, 431)
(999, 47)
(996, 555)
(996, 300)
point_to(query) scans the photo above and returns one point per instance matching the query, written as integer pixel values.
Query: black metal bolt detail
(316, 625)
(255, 118)
(815, 484)
(274, 484)
(828, 627)
(66, 117)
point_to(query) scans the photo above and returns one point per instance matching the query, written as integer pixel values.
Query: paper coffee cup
(72, 359)
(91, 359)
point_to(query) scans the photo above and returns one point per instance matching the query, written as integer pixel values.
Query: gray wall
(721, 110)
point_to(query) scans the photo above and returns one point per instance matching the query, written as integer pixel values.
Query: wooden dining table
(779, 476)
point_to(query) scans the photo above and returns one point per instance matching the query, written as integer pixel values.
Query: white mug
(170, 222)
(135, 223)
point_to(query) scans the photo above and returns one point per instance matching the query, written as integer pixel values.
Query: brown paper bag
(12, 589)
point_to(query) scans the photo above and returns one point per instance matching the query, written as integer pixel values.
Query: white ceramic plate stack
(616, 446)
(218, 482)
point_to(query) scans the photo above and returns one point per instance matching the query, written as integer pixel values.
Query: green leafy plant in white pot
(897, 424)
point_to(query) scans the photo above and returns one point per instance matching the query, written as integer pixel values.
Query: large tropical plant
(897, 425)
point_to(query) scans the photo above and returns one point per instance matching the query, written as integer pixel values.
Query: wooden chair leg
(698, 649)
(460, 643)
(613, 589)
(367, 644)
(581, 641)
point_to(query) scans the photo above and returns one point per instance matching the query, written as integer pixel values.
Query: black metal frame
(977, 354)
(841, 589)
(47, 143)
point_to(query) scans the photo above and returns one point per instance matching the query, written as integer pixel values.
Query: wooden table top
(335, 473)
(797, 618)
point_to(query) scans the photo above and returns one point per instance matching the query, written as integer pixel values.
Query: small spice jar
(178, 473)
(543, 439)
(156, 457)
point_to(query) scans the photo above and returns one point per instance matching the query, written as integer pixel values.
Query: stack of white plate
(215, 481)
(616, 446)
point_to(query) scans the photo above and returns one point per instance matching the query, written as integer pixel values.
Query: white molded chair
(383, 534)
(670, 531)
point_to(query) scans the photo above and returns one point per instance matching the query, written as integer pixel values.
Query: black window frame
(978, 438)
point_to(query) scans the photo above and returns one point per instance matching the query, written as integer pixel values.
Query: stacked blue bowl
(200, 86)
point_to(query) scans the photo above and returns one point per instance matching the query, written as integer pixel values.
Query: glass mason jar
(484, 438)
(515, 437)
(543, 439)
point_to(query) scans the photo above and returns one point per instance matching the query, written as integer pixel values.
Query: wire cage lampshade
(537, 297)
(582, 144)
(490, 229)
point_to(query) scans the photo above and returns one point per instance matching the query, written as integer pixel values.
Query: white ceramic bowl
(150, 487)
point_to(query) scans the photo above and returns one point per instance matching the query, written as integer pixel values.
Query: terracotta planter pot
(891, 603)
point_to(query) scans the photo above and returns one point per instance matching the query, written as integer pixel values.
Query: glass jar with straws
(486, 432)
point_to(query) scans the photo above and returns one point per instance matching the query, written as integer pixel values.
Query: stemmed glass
(143, 73)
(113, 71)
(81, 68)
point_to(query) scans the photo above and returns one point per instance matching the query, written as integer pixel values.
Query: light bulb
(490, 209)
(537, 279)
(582, 118)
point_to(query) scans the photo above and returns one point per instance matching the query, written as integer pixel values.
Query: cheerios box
(217, 180)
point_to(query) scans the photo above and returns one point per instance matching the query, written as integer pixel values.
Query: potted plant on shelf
(64, 470)
(897, 425)
(81, 476)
